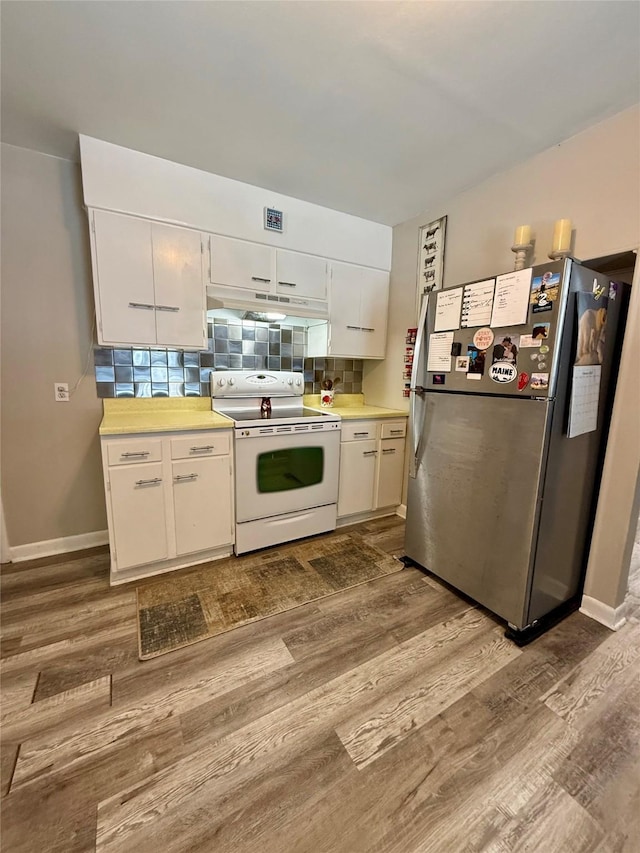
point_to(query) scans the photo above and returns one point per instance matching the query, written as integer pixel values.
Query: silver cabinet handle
(167, 308)
(185, 477)
(369, 452)
(146, 305)
(288, 283)
(389, 450)
(365, 329)
(354, 328)
(258, 278)
(202, 448)
(149, 482)
(131, 453)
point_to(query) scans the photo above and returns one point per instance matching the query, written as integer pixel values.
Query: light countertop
(352, 407)
(160, 414)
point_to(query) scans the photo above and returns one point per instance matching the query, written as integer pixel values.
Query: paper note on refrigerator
(477, 303)
(585, 397)
(439, 355)
(448, 303)
(511, 300)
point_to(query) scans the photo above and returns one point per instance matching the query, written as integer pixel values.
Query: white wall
(129, 181)
(594, 180)
(51, 470)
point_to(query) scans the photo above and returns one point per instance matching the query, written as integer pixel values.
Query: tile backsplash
(232, 345)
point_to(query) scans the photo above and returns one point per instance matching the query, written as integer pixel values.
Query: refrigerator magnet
(544, 291)
(544, 349)
(483, 338)
(540, 331)
(613, 289)
(540, 381)
(438, 378)
(530, 341)
(534, 356)
(523, 381)
(462, 363)
(476, 362)
(503, 371)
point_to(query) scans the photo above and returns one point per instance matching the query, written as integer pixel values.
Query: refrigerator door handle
(416, 371)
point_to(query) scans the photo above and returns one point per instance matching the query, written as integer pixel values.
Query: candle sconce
(522, 245)
(521, 251)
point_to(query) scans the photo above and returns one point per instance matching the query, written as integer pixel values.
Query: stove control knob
(289, 381)
(232, 382)
(298, 381)
(222, 383)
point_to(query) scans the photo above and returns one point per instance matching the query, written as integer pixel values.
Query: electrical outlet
(61, 391)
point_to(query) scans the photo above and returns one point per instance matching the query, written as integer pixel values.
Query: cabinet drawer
(212, 443)
(134, 450)
(396, 429)
(359, 431)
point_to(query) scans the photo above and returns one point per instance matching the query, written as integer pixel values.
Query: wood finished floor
(389, 718)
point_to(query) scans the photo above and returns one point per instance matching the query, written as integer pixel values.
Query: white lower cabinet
(194, 485)
(171, 511)
(371, 466)
(357, 477)
(138, 509)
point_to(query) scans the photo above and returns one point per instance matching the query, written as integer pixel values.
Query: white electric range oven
(287, 457)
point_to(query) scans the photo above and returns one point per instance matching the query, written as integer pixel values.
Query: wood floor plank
(400, 712)
(71, 646)
(18, 690)
(57, 814)
(39, 716)
(67, 746)
(595, 675)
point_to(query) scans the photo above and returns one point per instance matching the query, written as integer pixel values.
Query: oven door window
(291, 468)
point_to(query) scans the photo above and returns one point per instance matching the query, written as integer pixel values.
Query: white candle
(522, 236)
(562, 236)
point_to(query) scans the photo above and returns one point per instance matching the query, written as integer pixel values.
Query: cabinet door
(357, 477)
(179, 286)
(390, 471)
(202, 503)
(344, 319)
(301, 275)
(125, 301)
(138, 514)
(236, 263)
(374, 304)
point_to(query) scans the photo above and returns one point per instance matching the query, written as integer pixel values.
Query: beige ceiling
(380, 109)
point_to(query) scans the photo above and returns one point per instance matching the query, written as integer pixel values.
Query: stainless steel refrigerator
(508, 428)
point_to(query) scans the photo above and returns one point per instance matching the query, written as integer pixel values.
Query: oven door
(284, 473)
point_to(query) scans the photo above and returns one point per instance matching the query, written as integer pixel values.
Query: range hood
(220, 296)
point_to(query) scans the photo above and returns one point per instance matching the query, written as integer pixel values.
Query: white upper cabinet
(301, 275)
(257, 269)
(357, 326)
(237, 263)
(148, 282)
(179, 288)
(123, 279)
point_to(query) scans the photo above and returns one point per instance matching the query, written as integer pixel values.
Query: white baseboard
(613, 618)
(402, 511)
(49, 547)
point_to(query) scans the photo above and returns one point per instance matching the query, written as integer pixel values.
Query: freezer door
(473, 506)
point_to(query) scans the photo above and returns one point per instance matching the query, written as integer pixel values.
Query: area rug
(193, 604)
